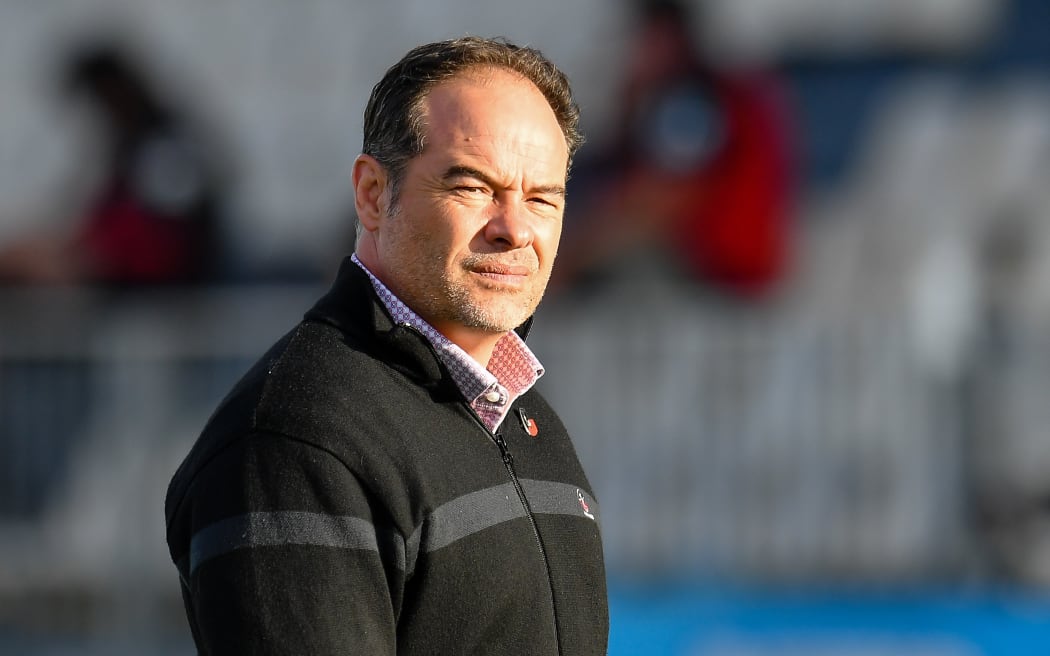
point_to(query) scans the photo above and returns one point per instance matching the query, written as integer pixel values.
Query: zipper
(508, 462)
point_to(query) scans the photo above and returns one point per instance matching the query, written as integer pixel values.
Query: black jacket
(344, 499)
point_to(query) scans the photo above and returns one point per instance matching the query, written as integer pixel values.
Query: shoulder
(317, 392)
(325, 385)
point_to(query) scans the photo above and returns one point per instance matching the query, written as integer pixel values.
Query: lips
(506, 264)
(502, 269)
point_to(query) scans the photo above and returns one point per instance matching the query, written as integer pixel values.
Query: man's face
(470, 242)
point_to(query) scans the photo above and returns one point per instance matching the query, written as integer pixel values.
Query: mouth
(504, 274)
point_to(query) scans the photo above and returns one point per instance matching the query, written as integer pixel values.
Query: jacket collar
(352, 306)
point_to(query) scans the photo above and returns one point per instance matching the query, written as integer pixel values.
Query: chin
(495, 321)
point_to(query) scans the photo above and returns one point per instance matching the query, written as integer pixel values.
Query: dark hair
(394, 130)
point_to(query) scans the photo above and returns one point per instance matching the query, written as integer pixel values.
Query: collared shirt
(513, 368)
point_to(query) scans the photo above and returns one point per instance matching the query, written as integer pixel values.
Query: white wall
(286, 81)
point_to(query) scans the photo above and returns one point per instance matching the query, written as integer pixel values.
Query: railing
(100, 398)
(781, 441)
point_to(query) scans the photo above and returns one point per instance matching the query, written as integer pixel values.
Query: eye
(543, 200)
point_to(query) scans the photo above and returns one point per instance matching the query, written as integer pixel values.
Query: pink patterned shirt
(512, 371)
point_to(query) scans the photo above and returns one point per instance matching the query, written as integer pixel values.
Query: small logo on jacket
(583, 504)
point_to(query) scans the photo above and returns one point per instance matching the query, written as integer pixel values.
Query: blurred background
(800, 326)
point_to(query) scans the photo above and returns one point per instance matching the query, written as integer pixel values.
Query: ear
(370, 184)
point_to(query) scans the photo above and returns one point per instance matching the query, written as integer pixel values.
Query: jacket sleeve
(281, 550)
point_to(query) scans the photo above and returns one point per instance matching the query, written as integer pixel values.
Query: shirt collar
(513, 366)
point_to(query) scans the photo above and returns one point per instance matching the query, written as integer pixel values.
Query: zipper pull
(504, 450)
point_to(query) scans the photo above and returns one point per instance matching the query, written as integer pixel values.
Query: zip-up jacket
(345, 499)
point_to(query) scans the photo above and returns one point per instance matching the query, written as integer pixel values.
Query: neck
(477, 344)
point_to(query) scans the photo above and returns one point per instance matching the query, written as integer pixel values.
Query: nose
(509, 226)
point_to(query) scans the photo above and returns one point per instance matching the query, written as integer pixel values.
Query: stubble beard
(455, 302)
(506, 311)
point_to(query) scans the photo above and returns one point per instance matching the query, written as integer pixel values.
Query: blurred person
(387, 479)
(699, 168)
(154, 217)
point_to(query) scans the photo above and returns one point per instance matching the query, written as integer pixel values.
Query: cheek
(454, 229)
(425, 229)
(547, 243)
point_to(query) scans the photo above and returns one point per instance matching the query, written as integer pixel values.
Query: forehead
(492, 107)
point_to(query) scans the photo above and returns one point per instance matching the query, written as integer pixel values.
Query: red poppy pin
(528, 423)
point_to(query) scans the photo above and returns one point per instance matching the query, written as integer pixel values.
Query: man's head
(461, 188)
(394, 129)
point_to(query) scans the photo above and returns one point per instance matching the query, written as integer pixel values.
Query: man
(386, 479)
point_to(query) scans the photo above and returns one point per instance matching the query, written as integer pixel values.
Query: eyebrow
(463, 171)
